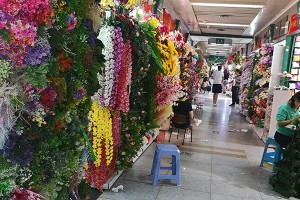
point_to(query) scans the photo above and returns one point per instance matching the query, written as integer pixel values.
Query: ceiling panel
(257, 2)
(227, 30)
(254, 17)
(234, 15)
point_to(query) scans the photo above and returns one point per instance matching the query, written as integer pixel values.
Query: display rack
(294, 82)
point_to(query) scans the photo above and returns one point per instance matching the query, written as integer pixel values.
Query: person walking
(217, 84)
(236, 88)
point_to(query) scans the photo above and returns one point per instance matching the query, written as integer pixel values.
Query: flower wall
(51, 59)
(258, 90)
(89, 96)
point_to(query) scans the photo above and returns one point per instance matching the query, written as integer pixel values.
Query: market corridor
(221, 163)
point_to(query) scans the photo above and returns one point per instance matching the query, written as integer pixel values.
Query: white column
(276, 65)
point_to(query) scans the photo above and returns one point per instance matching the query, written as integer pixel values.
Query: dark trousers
(282, 140)
(235, 94)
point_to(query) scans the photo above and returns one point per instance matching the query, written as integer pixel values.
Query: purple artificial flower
(88, 23)
(38, 54)
(80, 94)
(18, 149)
(118, 51)
(123, 1)
(91, 40)
(154, 15)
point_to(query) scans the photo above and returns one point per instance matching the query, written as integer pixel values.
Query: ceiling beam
(218, 35)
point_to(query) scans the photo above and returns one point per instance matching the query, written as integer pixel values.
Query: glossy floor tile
(221, 163)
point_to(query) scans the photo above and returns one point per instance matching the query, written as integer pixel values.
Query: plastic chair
(273, 156)
(169, 150)
(179, 122)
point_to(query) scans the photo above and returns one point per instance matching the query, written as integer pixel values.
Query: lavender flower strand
(118, 51)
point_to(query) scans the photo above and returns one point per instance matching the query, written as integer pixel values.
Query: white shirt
(217, 76)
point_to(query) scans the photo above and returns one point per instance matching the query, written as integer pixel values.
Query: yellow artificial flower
(131, 2)
(153, 22)
(106, 3)
(100, 124)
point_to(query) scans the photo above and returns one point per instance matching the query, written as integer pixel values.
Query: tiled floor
(221, 163)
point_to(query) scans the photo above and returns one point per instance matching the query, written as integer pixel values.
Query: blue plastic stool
(274, 156)
(166, 149)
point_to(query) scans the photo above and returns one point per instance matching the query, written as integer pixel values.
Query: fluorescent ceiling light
(215, 50)
(222, 24)
(226, 5)
(209, 49)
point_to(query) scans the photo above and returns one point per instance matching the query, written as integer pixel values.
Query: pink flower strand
(124, 79)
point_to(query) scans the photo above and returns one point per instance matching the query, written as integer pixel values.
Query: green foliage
(37, 75)
(287, 179)
(84, 189)
(4, 34)
(7, 177)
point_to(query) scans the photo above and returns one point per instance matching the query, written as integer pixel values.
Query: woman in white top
(217, 84)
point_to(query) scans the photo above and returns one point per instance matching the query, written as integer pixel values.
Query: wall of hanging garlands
(72, 90)
(258, 90)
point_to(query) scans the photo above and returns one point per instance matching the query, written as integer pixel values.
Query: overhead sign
(224, 41)
(220, 41)
(293, 25)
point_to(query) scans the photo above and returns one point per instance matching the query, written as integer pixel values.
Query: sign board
(220, 41)
(293, 26)
(223, 41)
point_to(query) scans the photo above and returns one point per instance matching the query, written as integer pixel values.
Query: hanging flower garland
(125, 79)
(106, 78)
(100, 125)
(118, 52)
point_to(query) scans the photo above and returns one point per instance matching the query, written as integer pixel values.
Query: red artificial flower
(65, 64)
(48, 97)
(59, 125)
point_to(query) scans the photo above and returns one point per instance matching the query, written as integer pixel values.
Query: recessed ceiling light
(227, 5)
(221, 24)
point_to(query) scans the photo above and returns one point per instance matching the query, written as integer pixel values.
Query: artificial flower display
(44, 95)
(258, 92)
(245, 84)
(100, 125)
(66, 93)
(106, 35)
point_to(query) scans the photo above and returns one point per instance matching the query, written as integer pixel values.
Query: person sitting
(288, 114)
(183, 107)
(206, 85)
